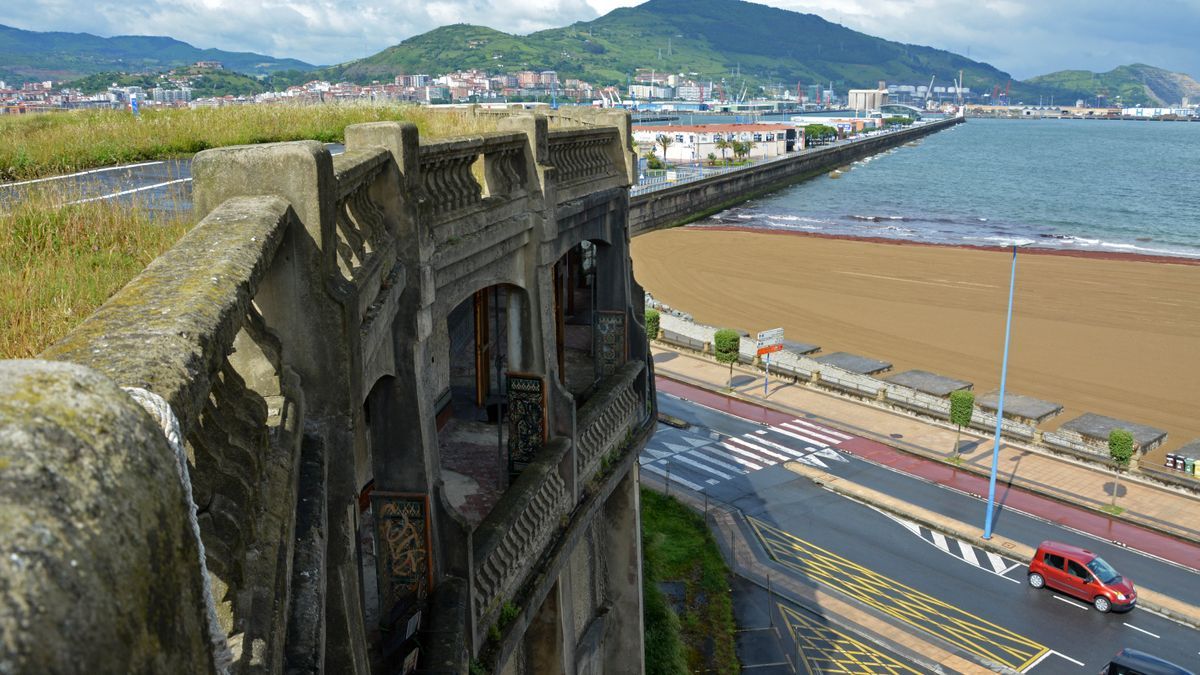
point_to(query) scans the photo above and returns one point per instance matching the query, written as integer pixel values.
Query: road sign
(770, 341)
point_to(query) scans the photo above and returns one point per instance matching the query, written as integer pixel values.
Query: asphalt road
(976, 602)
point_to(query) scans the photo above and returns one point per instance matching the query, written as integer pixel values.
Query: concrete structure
(690, 201)
(867, 100)
(694, 143)
(396, 399)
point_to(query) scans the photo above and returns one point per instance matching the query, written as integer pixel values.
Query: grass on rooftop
(46, 144)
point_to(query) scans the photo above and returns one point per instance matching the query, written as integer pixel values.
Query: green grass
(59, 263)
(1113, 509)
(677, 546)
(32, 146)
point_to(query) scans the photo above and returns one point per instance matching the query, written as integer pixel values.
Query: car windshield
(1103, 571)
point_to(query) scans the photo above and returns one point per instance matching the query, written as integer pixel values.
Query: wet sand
(1110, 334)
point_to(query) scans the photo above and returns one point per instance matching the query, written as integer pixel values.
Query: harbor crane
(929, 91)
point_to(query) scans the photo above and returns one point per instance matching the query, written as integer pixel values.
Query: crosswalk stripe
(798, 454)
(797, 436)
(674, 479)
(837, 435)
(759, 448)
(744, 453)
(696, 454)
(940, 541)
(968, 553)
(702, 467)
(726, 454)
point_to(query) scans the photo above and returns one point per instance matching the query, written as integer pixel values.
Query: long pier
(686, 202)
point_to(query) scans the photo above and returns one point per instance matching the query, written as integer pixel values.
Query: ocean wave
(878, 219)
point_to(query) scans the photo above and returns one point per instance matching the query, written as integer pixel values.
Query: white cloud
(1025, 37)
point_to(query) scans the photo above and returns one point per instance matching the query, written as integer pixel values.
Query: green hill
(30, 56)
(712, 39)
(1137, 84)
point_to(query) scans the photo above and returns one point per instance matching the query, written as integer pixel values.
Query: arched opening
(485, 335)
(575, 302)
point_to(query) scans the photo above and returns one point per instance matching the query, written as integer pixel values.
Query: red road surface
(1083, 520)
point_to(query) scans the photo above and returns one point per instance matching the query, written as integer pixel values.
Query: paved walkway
(1161, 509)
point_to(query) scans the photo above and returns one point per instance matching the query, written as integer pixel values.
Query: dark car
(1134, 662)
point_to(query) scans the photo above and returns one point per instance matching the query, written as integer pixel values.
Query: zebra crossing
(972, 555)
(699, 460)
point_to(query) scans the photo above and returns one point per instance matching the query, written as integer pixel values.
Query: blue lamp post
(991, 505)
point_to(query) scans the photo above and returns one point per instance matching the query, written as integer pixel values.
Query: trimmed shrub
(725, 347)
(651, 324)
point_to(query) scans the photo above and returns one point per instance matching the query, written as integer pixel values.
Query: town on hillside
(647, 90)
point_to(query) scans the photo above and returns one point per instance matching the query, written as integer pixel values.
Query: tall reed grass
(33, 146)
(59, 263)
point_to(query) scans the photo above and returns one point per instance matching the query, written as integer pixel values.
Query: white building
(868, 99)
(694, 143)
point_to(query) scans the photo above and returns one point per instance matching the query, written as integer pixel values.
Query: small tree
(722, 144)
(665, 141)
(962, 406)
(651, 324)
(1120, 450)
(725, 347)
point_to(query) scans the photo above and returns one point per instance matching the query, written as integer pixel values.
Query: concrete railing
(515, 532)
(188, 328)
(607, 418)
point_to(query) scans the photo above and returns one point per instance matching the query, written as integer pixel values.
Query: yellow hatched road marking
(836, 652)
(908, 605)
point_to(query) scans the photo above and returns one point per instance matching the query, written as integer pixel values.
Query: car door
(1078, 581)
(1054, 567)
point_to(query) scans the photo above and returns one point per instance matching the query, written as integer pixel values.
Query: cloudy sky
(1024, 37)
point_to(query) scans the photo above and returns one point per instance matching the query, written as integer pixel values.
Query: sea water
(1114, 186)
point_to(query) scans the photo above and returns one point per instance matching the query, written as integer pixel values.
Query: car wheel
(1036, 580)
(1102, 604)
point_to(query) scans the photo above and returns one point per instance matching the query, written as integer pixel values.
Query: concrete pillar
(624, 653)
(516, 325)
(544, 637)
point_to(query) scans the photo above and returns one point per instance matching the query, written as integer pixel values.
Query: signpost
(769, 341)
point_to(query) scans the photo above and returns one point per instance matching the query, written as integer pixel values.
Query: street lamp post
(991, 505)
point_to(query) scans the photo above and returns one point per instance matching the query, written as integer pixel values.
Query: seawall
(691, 201)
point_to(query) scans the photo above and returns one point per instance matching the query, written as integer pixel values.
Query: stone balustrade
(516, 533)
(608, 417)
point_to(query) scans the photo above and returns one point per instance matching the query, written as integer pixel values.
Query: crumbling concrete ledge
(96, 549)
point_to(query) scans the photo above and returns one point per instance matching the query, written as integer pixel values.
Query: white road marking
(698, 465)
(728, 467)
(997, 563)
(723, 452)
(939, 540)
(1141, 630)
(804, 439)
(968, 553)
(674, 479)
(1071, 602)
(821, 429)
(742, 452)
(759, 448)
(79, 173)
(1039, 660)
(798, 454)
(130, 191)
(1064, 656)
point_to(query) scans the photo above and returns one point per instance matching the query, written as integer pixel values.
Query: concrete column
(624, 653)
(544, 637)
(516, 330)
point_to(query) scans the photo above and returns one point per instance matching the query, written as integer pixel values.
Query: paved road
(949, 590)
(162, 185)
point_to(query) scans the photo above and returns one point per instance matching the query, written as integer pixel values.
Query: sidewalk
(1147, 505)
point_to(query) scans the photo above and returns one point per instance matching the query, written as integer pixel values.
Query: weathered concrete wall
(299, 334)
(691, 201)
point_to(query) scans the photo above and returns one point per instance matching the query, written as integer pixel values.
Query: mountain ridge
(1131, 83)
(33, 55)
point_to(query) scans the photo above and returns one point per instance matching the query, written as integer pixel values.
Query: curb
(1150, 600)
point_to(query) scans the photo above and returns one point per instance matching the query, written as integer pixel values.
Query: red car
(1081, 573)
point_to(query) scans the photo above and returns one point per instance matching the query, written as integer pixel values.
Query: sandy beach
(1112, 335)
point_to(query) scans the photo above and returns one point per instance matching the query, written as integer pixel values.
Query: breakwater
(691, 201)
